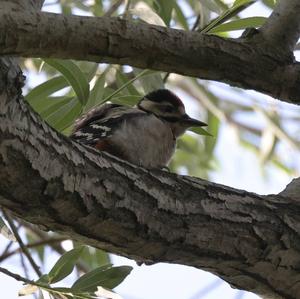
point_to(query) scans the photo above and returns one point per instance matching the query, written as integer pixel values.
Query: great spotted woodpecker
(144, 135)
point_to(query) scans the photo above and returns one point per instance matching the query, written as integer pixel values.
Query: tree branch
(282, 29)
(48, 241)
(251, 241)
(15, 276)
(22, 245)
(113, 8)
(113, 40)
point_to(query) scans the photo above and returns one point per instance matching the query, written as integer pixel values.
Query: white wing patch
(104, 128)
(81, 134)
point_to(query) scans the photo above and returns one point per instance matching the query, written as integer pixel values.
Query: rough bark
(249, 240)
(21, 5)
(282, 29)
(118, 41)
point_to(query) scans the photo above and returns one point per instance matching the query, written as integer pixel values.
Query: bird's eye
(168, 109)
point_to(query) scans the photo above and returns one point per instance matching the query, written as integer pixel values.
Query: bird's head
(167, 106)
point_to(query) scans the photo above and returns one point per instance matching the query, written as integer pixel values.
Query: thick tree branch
(282, 29)
(114, 40)
(251, 241)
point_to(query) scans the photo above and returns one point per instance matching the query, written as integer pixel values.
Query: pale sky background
(240, 168)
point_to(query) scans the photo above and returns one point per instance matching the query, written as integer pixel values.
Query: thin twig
(23, 247)
(5, 251)
(7, 246)
(196, 23)
(128, 3)
(24, 266)
(277, 130)
(23, 279)
(48, 241)
(15, 276)
(55, 245)
(166, 77)
(113, 8)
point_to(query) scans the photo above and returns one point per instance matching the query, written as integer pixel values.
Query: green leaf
(47, 106)
(199, 131)
(93, 257)
(65, 115)
(32, 238)
(90, 280)
(74, 76)
(36, 95)
(101, 257)
(165, 9)
(65, 265)
(221, 4)
(44, 280)
(145, 13)
(105, 276)
(97, 8)
(212, 5)
(109, 97)
(213, 124)
(282, 166)
(123, 79)
(129, 100)
(188, 144)
(191, 156)
(240, 2)
(75, 111)
(236, 8)
(91, 71)
(6, 232)
(268, 143)
(270, 3)
(52, 106)
(150, 81)
(180, 16)
(97, 93)
(252, 22)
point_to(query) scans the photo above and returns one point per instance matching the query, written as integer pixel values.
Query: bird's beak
(191, 122)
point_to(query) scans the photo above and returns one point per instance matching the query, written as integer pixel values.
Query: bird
(144, 135)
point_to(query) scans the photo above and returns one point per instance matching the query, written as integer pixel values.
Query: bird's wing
(100, 123)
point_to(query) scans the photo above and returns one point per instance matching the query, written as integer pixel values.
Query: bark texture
(282, 29)
(249, 62)
(249, 240)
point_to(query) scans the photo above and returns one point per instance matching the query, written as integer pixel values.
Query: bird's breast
(145, 141)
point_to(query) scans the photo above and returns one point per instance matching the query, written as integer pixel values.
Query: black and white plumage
(144, 135)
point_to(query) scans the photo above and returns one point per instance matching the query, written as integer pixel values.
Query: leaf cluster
(86, 286)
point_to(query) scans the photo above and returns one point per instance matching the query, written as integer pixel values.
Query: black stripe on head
(171, 119)
(164, 95)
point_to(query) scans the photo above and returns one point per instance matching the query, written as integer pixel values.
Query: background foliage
(62, 90)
